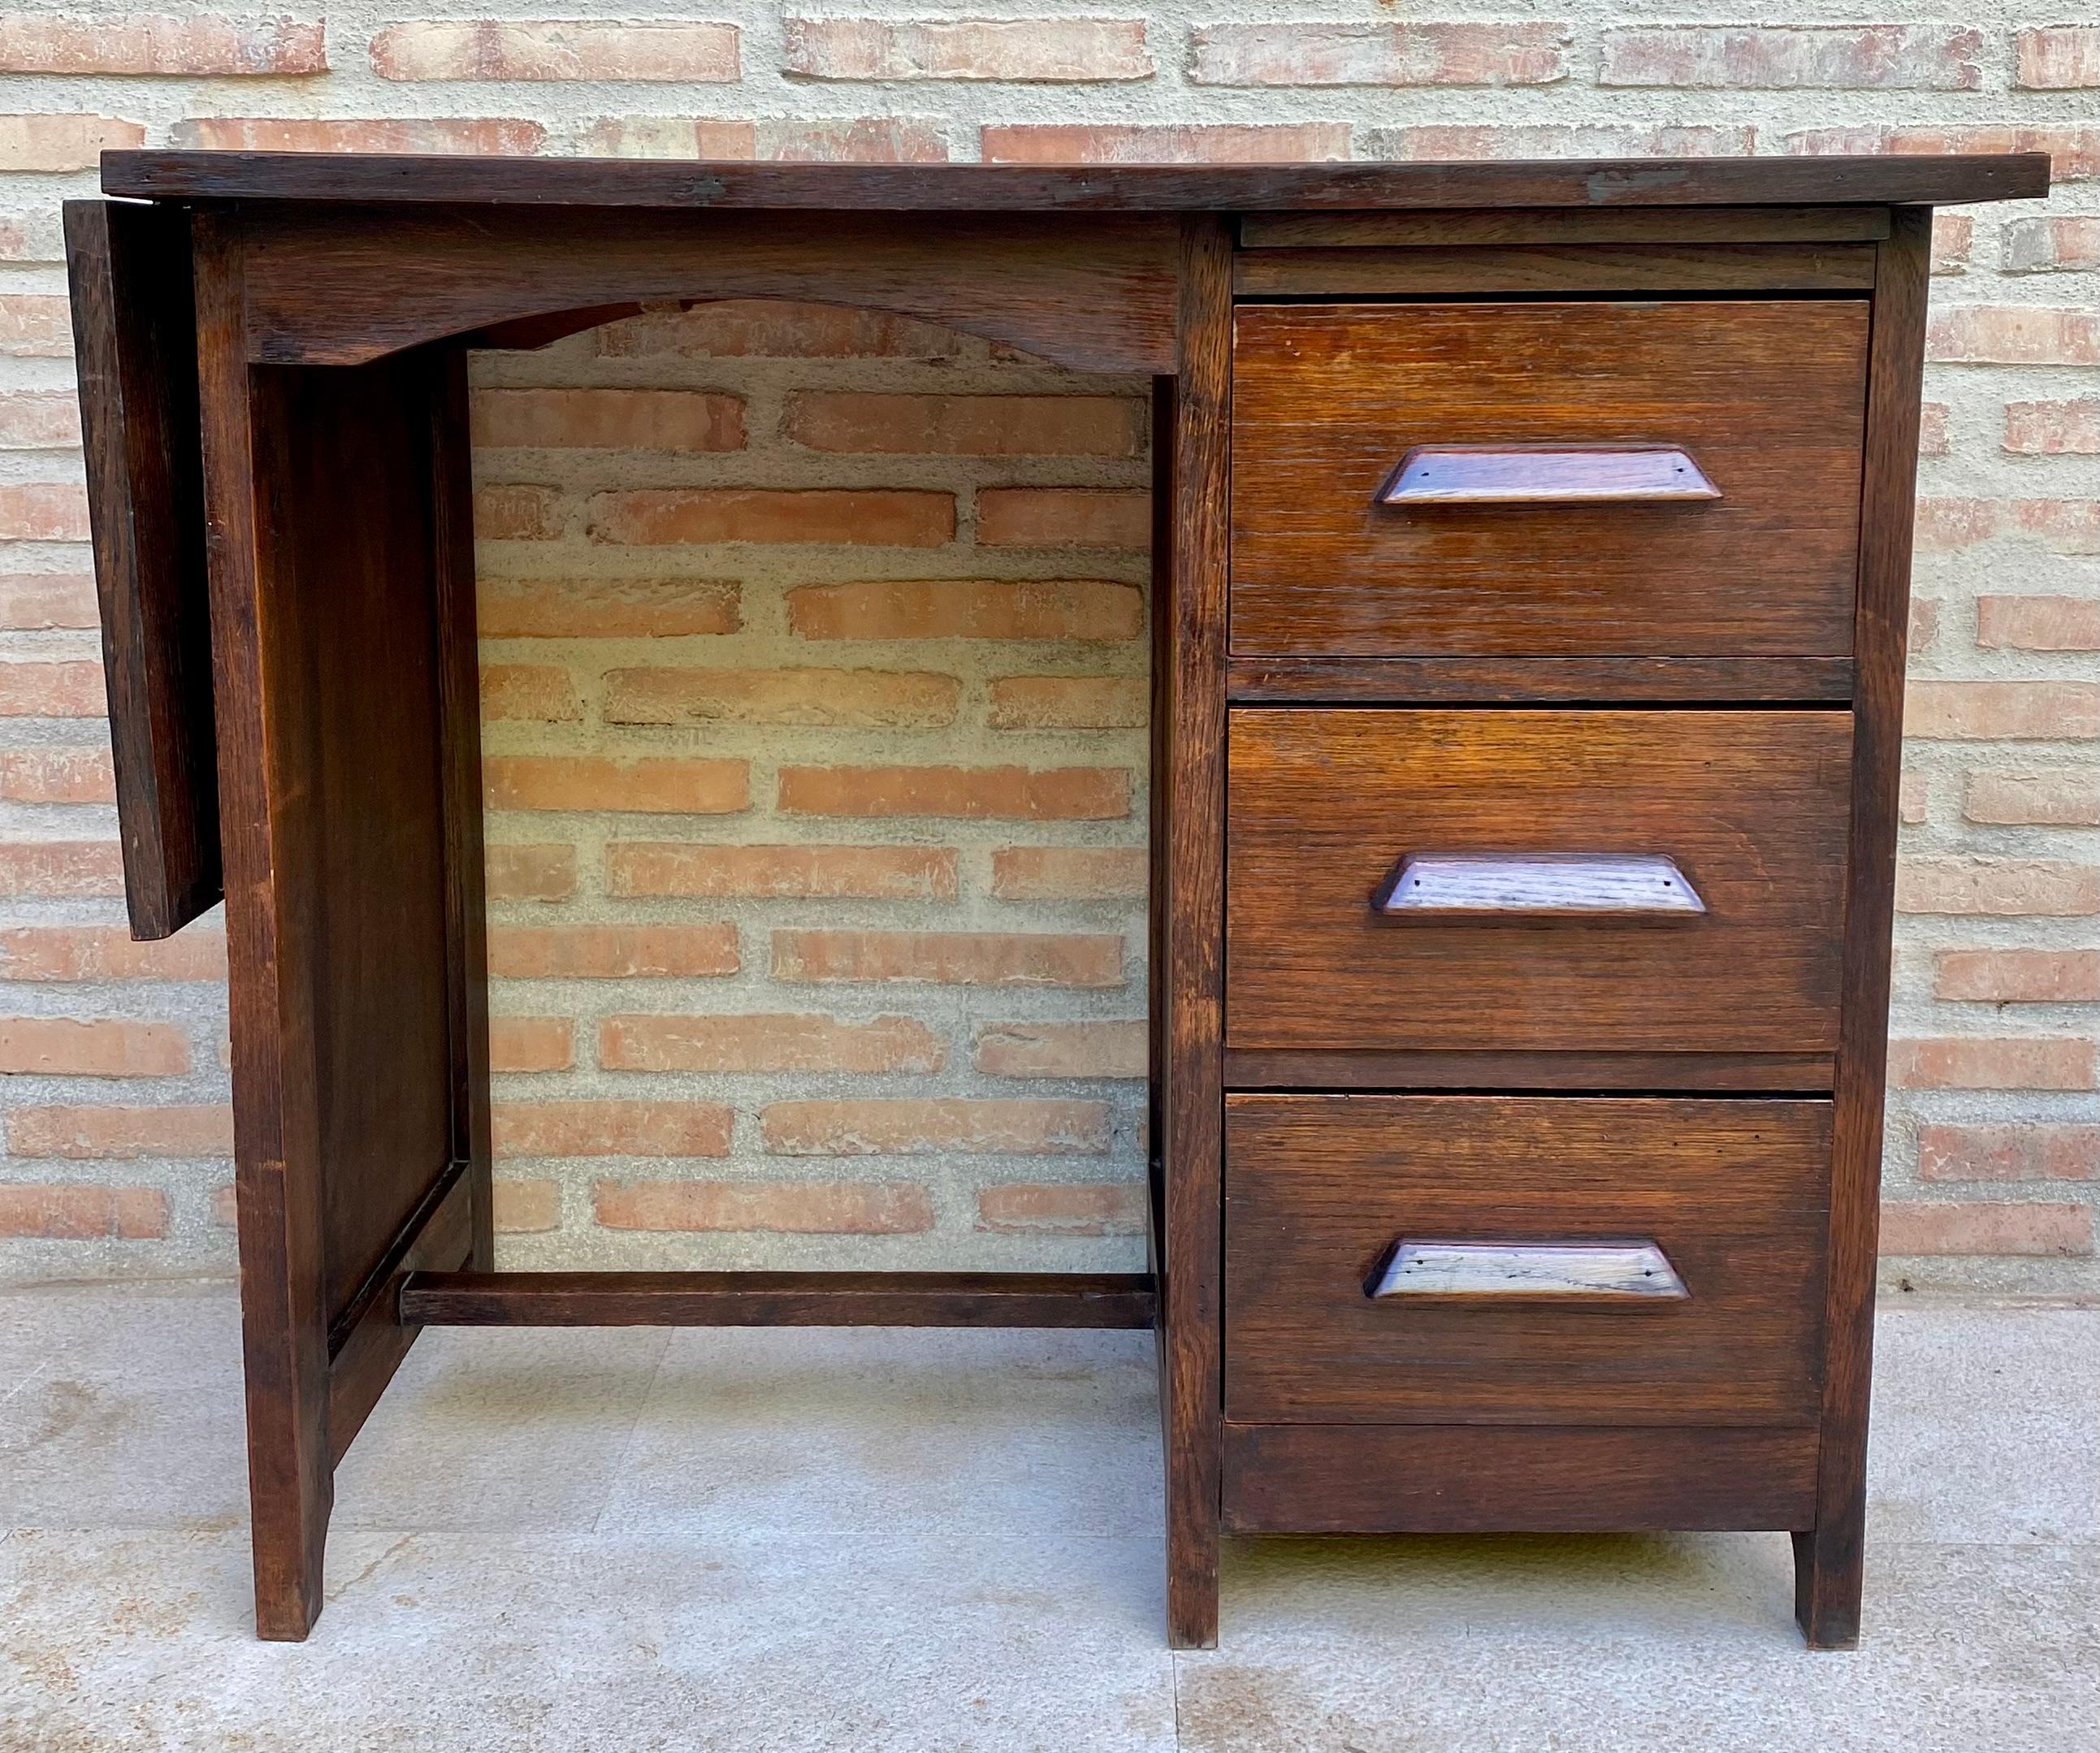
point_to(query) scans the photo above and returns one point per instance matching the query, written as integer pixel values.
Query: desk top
(1932, 181)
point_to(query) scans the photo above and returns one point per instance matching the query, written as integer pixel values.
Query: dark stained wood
(1488, 1069)
(1750, 803)
(1723, 226)
(1770, 181)
(1319, 1188)
(1827, 1556)
(1481, 1478)
(779, 1298)
(134, 351)
(1654, 268)
(1659, 681)
(1327, 399)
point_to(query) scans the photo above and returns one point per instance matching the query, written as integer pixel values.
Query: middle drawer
(1749, 806)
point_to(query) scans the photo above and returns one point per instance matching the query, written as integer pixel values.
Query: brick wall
(816, 865)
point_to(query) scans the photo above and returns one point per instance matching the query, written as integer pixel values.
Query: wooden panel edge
(1519, 681)
(1648, 270)
(1544, 225)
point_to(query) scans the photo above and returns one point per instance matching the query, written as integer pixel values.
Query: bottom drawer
(1539, 1261)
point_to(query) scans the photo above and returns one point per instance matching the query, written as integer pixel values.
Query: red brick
(1036, 49)
(1060, 517)
(2008, 1152)
(880, 698)
(1984, 1062)
(2068, 428)
(2057, 58)
(1913, 797)
(1082, 1209)
(103, 1047)
(1932, 433)
(1061, 1049)
(1003, 794)
(611, 952)
(531, 1044)
(771, 328)
(860, 517)
(2038, 623)
(2012, 887)
(1069, 873)
(858, 140)
(1069, 702)
(2018, 976)
(536, 49)
(927, 1126)
(1924, 622)
(2046, 711)
(2059, 797)
(39, 420)
(2013, 334)
(951, 958)
(1954, 236)
(531, 872)
(2067, 526)
(112, 1134)
(2050, 245)
(607, 608)
(1442, 143)
(647, 784)
(570, 419)
(53, 143)
(1164, 143)
(76, 1211)
(528, 1207)
(1377, 52)
(57, 776)
(61, 867)
(34, 602)
(208, 44)
(777, 1207)
(612, 1128)
(419, 134)
(518, 511)
(41, 510)
(1914, 1227)
(1948, 524)
(767, 1043)
(1925, 57)
(63, 688)
(529, 691)
(968, 608)
(863, 422)
(108, 952)
(871, 873)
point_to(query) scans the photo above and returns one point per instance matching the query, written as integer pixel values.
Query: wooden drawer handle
(1545, 475)
(1445, 887)
(1630, 1273)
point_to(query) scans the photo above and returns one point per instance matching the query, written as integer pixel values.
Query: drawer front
(1749, 808)
(1322, 1190)
(1767, 398)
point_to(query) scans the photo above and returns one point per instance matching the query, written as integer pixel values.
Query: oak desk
(1529, 593)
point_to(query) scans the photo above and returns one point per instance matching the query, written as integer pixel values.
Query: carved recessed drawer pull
(1634, 1273)
(1507, 886)
(1545, 475)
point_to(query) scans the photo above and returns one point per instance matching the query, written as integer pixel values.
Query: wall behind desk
(937, 732)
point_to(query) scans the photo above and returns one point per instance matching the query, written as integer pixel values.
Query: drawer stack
(1538, 808)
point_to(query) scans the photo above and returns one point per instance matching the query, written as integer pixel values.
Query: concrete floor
(592, 1542)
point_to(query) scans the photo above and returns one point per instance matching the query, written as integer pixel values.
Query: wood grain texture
(1765, 182)
(1318, 1189)
(1479, 1479)
(779, 1298)
(1338, 1068)
(1480, 269)
(1512, 681)
(1551, 225)
(134, 352)
(1751, 805)
(1768, 396)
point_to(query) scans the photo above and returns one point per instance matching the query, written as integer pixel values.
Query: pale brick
(61, 867)
(1377, 52)
(579, 419)
(75, 1211)
(1445, 142)
(611, 952)
(657, 49)
(1925, 620)
(2068, 428)
(121, 1134)
(39, 420)
(1069, 873)
(768, 1042)
(41, 511)
(968, 608)
(1951, 1152)
(862, 518)
(64, 688)
(2018, 976)
(2059, 797)
(860, 140)
(1062, 517)
(1917, 1228)
(777, 1207)
(1913, 797)
(60, 143)
(926, 1126)
(527, 1207)
(531, 872)
(607, 608)
(2057, 58)
(1932, 439)
(866, 698)
(863, 422)
(199, 45)
(89, 953)
(2044, 711)
(419, 134)
(1069, 702)
(2009, 887)
(537, 691)
(1954, 236)
(57, 776)
(873, 873)
(2067, 526)
(771, 328)
(531, 1044)
(102, 1047)
(612, 1128)
(2038, 623)
(517, 511)
(35, 602)
(950, 958)
(2054, 244)
(1061, 1049)
(1073, 1208)
(1982, 1063)
(1163, 144)
(2013, 334)
(1003, 794)
(647, 785)
(1920, 57)
(1034, 49)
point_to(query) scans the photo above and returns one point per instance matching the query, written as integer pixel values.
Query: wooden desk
(1529, 597)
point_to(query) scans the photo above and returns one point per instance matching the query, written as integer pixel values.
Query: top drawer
(1767, 397)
